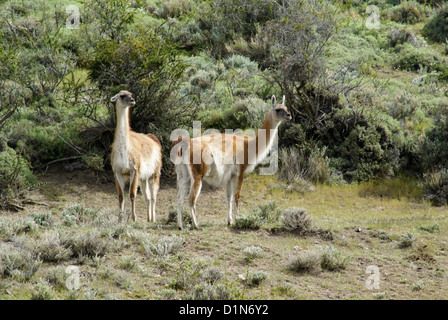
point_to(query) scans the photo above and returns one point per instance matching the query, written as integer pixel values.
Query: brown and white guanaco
(222, 160)
(135, 157)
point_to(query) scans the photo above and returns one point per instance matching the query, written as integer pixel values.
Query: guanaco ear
(114, 98)
(283, 100)
(273, 100)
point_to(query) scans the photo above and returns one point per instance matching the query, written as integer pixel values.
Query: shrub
(401, 36)
(433, 151)
(43, 219)
(42, 291)
(252, 252)
(406, 241)
(15, 176)
(431, 229)
(248, 222)
(206, 291)
(242, 63)
(436, 28)
(304, 164)
(332, 260)
(165, 246)
(409, 12)
(435, 186)
(211, 274)
(148, 66)
(11, 227)
(306, 262)
(77, 214)
(50, 248)
(412, 59)
(362, 145)
(17, 262)
(172, 9)
(246, 113)
(88, 244)
(297, 220)
(267, 213)
(254, 279)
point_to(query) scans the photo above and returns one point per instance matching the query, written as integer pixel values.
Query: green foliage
(221, 20)
(436, 28)
(332, 260)
(408, 12)
(148, 66)
(412, 59)
(111, 18)
(18, 263)
(16, 176)
(248, 222)
(364, 144)
(435, 186)
(433, 152)
(254, 279)
(406, 241)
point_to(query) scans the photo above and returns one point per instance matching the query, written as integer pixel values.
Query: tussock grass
(18, 262)
(308, 261)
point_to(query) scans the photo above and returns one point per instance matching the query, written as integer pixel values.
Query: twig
(59, 160)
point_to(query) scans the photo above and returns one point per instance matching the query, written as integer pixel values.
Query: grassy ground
(157, 261)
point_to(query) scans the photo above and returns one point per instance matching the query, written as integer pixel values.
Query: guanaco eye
(122, 96)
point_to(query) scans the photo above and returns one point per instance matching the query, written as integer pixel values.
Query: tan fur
(233, 149)
(136, 158)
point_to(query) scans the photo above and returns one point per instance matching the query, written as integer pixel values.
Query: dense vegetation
(366, 103)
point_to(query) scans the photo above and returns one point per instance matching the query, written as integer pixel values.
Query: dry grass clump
(18, 262)
(314, 261)
(165, 246)
(50, 248)
(11, 227)
(296, 219)
(89, 244)
(308, 261)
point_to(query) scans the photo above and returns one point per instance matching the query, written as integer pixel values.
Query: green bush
(401, 36)
(246, 113)
(435, 186)
(248, 222)
(332, 259)
(412, 59)
(433, 152)
(148, 66)
(362, 144)
(15, 176)
(409, 12)
(436, 28)
(17, 262)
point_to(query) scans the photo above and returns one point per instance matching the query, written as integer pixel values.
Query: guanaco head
(124, 99)
(279, 111)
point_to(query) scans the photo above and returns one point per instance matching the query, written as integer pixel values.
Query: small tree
(111, 18)
(299, 35)
(148, 66)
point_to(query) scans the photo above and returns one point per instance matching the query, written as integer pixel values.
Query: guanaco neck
(265, 136)
(123, 128)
